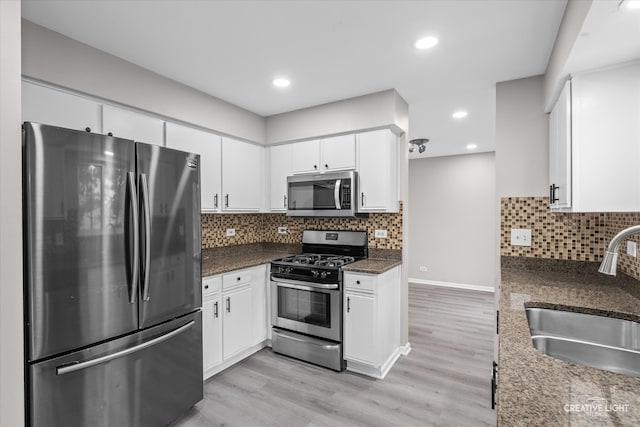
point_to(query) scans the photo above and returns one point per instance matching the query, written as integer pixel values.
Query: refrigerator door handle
(144, 189)
(77, 366)
(135, 268)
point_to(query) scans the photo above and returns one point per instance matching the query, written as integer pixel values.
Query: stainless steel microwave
(324, 195)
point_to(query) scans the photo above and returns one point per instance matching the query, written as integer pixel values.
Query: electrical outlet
(632, 248)
(423, 268)
(520, 237)
(380, 234)
(282, 230)
(231, 232)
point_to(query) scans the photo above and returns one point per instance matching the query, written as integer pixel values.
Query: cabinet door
(560, 150)
(359, 328)
(306, 156)
(48, 106)
(259, 295)
(238, 321)
(377, 171)
(242, 175)
(281, 168)
(211, 333)
(131, 125)
(338, 153)
(209, 146)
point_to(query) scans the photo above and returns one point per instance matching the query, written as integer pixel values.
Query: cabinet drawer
(357, 281)
(210, 285)
(236, 278)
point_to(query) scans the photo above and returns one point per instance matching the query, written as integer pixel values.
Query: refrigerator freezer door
(169, 187)
(148, 378)
(79, 239)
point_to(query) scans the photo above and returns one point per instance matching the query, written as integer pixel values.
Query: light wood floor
(444, 381)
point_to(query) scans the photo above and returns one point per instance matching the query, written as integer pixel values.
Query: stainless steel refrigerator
(112, 280)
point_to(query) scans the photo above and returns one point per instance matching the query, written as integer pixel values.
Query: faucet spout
(610, 260)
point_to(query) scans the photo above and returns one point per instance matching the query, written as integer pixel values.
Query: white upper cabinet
(338, 153)
(242, 176)
(127, 124)
(377, 166)
(324, 155)
(560, 150)
(601, 160)
(306, 156)
(209, 146)
(281, 167)
(48, 106)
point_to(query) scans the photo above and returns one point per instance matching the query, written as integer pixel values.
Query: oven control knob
(315, 273)
(288, 270)
(324, 274)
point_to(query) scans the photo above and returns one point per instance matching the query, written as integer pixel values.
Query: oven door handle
(304, 286)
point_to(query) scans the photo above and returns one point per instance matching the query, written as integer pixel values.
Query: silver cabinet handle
(362, 199)
(306, 286)
(135, 268)
(348, 304)
(76, 366)
(228, 304)
(144, 184)
(215, 201)
(226, 201)
(215, 309)
(285, 201)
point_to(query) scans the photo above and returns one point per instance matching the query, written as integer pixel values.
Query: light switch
(231, 232)
(520, 237)
(380, 234)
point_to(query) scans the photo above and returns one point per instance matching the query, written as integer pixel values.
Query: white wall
(451, 219)
(51, 57)
(574, 16)
(376, 110)
(522, 138)
(11, 335)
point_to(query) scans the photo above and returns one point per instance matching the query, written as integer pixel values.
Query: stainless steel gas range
(307, 296)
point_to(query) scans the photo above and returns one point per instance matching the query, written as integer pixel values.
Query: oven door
(309, 308)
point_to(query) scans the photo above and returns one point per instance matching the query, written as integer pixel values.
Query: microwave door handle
(336, 194)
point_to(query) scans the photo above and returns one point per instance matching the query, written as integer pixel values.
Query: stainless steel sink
(601, 342)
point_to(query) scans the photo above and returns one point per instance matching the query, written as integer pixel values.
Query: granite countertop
(372, 265)
(535, 389)
(230, 258)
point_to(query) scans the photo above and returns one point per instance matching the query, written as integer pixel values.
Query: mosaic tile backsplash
(257, 228)
(565, 236)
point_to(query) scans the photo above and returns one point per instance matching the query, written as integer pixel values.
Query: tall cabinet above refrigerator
(112, 280)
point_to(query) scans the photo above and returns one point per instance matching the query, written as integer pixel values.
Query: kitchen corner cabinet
(372, 322)
(600, 118)
(242, 176)
(209, 147)
(281, 161)
(324, 155)
(54, 107)
(234, 311)
(377, 166)
(128, 124)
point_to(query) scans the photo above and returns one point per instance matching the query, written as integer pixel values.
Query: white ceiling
(330, 50)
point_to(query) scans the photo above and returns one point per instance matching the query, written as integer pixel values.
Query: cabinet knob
(110, 134)
(87, 129)
(238, 279)
(206, 286)
(315, 166)
(357, 282)
(326, 166)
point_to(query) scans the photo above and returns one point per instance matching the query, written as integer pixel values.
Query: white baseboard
(377, 372)
(405, 349)
(452, 285)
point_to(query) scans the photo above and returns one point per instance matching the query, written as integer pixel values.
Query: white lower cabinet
(372, 322)
(234, 317)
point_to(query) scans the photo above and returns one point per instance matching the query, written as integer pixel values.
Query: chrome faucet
(610, 260)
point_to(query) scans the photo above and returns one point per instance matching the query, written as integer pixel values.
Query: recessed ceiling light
(632, 4)
(425, 43)
(281, 82)
(459, 114)
(472, 146)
